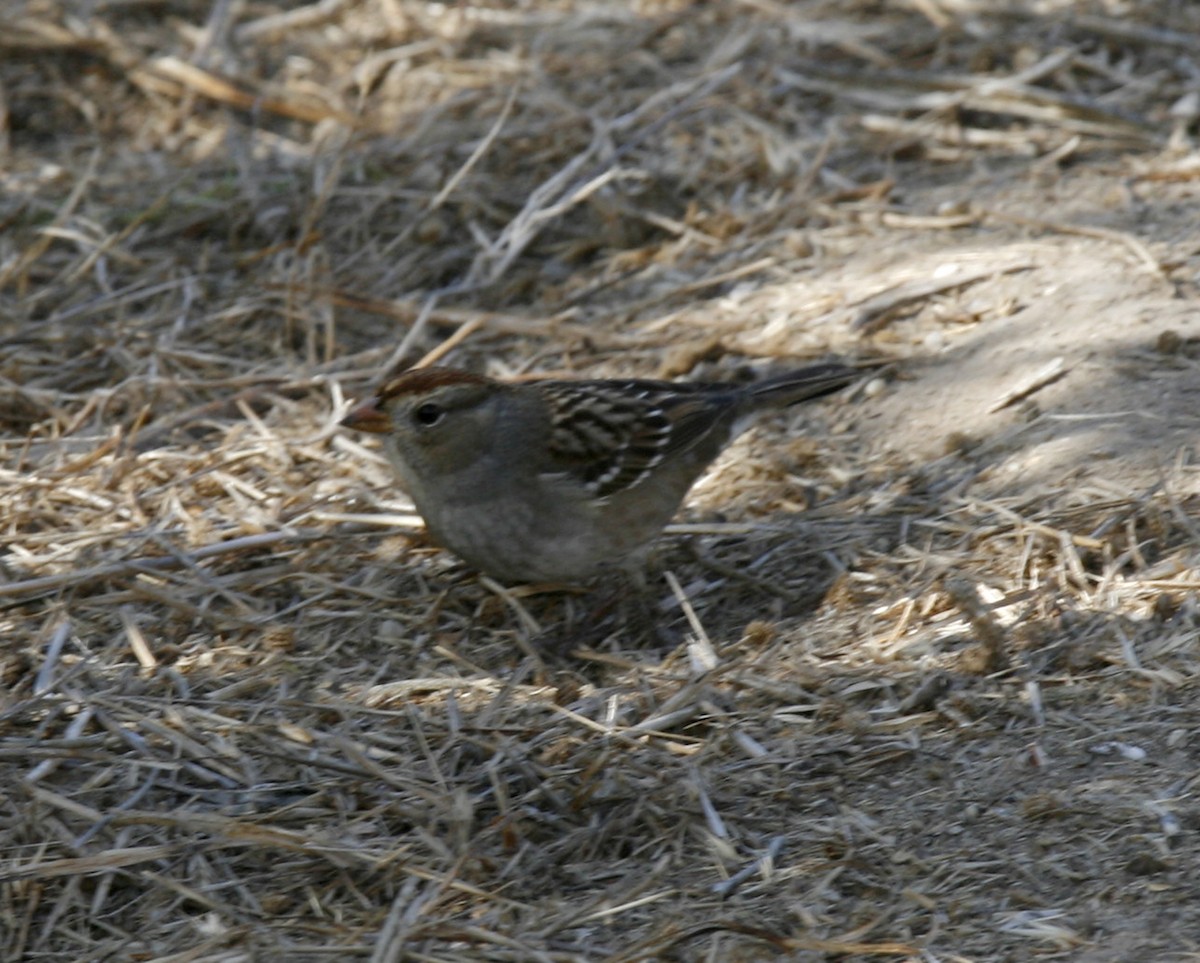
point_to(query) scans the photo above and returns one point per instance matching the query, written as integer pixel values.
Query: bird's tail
(791, 388)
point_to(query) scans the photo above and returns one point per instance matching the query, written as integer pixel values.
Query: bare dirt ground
(933, 695)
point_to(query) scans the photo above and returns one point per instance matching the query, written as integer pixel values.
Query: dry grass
(248, 715)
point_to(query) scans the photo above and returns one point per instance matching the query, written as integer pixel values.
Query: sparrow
(555, 480)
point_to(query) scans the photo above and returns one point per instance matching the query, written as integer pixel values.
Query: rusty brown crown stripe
(422, 380)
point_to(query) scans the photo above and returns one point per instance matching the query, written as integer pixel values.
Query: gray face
(445, 431)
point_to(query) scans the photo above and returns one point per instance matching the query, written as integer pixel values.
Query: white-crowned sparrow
(549, 481)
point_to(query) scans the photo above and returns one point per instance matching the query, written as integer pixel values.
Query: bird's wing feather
(611, 435)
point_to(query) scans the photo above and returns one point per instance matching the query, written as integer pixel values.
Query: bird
(555, 480)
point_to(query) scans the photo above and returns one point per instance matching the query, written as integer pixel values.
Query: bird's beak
(368, 417)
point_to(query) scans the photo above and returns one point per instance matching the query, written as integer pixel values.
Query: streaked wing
(611, 434)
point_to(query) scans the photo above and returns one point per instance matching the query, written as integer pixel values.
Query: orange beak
(368, 417)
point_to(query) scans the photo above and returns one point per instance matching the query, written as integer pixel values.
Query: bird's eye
(428, 414)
